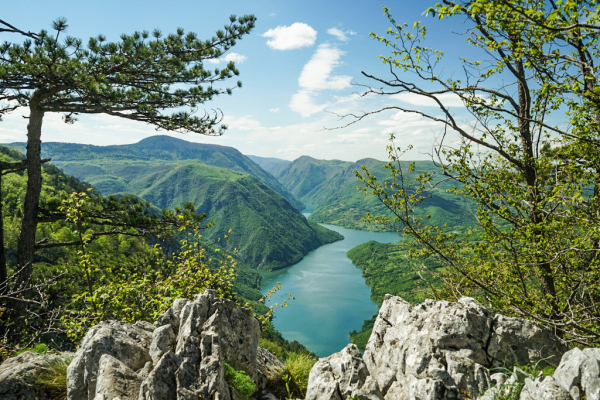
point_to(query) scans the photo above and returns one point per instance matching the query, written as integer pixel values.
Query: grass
(40, 348)
(298, 366)
(53, 377)
(512, 390)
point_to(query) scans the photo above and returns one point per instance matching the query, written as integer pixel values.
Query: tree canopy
(148, 77)
(526, 159)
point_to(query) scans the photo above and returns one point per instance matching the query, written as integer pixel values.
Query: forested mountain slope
(57, 186)
(106, 167)
(268, 231)
(330, 186)
(270, 164)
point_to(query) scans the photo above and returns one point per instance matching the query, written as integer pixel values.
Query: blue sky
(297, 66)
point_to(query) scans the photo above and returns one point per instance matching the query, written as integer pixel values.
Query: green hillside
(56, 186)
(268, 230)
(270, 164)
(109, 168)
(330, 186)
(305, 174)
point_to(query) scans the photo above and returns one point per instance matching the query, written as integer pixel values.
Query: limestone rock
(172, 315)
(340, 376)
(268, 367)
(518, 341)
(127, 343)
(17, 373)
(116, 380)
(543, 389)
(579, 373)
(163, 340)
(410, 346)
(161, 383)
(179, 358)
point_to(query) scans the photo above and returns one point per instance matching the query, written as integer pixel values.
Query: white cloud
(448, 99)
(303, 103)
(274, 110)
(235, 57)
(291, 37)
(245, 123)
(316, 74)
(340, 34)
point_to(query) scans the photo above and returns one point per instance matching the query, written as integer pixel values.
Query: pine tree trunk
(3, 271)
(26, 245)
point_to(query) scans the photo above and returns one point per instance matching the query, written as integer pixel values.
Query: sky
(300, 67)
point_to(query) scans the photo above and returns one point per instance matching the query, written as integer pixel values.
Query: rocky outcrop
(341, 376)
(18, 375)
(443, 350)
(433, 351)
(179, 358)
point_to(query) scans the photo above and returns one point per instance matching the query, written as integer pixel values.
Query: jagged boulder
(579, 374)
(577, 377)
(341, 376)
(436, 350)
(17, 375)
(179, 358)
(126, 343)
(432, 351)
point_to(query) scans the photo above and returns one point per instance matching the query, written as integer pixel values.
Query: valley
(256, 204)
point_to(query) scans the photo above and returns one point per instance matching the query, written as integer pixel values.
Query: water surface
(332, 297)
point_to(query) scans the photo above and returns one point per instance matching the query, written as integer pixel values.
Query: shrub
(239, 380)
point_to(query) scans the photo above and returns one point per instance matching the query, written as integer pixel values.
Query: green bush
(239, 380)
(298, 366)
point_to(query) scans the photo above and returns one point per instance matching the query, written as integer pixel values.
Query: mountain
(305, 174)
(330, 186)
(267, 229)
(270, 164)
(93, 164)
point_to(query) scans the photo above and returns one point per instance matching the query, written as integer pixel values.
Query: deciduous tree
(527, 157)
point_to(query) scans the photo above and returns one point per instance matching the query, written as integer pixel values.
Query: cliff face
(433, 351)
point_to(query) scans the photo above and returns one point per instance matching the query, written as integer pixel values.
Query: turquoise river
(331, 297)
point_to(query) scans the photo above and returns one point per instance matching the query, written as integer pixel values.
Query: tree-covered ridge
(330, 186)
(106, 166)
(305, 174)
(270, 164)
(125, 268)
(268, 231)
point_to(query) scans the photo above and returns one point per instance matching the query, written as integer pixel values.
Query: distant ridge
(75, 159)
(330, 187)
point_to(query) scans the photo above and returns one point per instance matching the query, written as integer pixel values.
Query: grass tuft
(53, 377)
